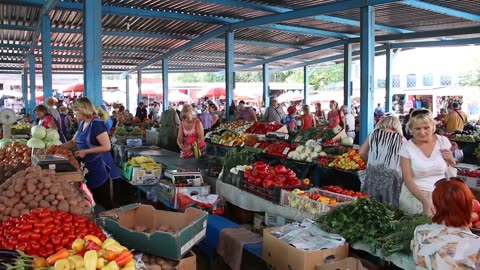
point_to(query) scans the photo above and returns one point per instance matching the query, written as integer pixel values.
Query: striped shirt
(384, 149)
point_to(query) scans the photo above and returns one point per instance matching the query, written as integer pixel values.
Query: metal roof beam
(453, 42)
(47, 6)
(292, 54)
(443, 10)
(327, 18)
(323, 60)
(307, 12)
(174, 15)
(425, 34)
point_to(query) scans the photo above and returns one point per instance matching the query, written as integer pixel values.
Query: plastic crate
(273, 195)
(272, 220)
(313, 208)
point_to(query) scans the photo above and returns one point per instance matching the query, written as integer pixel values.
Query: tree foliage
(471, 77)
(323, 76)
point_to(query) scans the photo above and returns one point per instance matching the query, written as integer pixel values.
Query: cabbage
(347, 141)
(5, 142)
(300, 148)
(318, 149)
(38, 132)
(36, 143)
(52, 135)
(310, 143)
(50, 143)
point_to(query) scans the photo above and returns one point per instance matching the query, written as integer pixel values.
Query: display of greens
(377, 224)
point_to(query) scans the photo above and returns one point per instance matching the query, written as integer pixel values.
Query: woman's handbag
(196, 150)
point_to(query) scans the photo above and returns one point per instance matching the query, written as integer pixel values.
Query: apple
(476, 206)
(474, 217)
(477, 225)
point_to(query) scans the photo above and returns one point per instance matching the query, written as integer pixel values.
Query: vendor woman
(93, 149)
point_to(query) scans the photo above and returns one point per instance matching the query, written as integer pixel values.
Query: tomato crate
(312, 207)
(273, 195)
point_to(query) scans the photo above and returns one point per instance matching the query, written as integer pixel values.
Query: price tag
(231, 143)
(286, 137)
(286, 151)
(243, 143)
(256, 145)
(298, 138)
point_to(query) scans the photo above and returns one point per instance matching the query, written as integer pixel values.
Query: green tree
(471, 77)
(325, 76)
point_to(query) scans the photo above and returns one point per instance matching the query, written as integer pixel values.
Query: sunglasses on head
(420, 112)
(458, 179)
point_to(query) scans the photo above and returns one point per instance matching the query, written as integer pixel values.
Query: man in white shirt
(349, 121)
(273, 113)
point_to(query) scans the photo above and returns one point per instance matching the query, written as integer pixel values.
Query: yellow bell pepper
(111, 266)
(108, 242)
(78, 245)
(93, 238)
(63, 264)
(90, 259)
(129, 267)
(77, 261)
(101, 262)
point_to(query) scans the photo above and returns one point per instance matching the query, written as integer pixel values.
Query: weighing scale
(56, 162)
(193, 178)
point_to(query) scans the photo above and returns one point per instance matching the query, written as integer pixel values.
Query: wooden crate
(70, 176)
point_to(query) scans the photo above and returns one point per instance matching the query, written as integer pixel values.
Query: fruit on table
(262, 128)
(349, 161)
(267, 176)
(351, 193)
(279, 149)
(475, 216)
(469, 173)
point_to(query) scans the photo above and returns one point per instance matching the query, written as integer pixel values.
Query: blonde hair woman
(190, 133)
(93, 148)
(424, 160)
(381, 150)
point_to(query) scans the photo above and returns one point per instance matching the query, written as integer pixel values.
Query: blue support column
(139, 86)
(347, 76)
(165, 82)
(367, 55)
(266, 85)
(127, 91)
(306, 77)
(388, 80)
(229, 71)
(31, 65)
(92, 50)
(46, 57)
(25, 90)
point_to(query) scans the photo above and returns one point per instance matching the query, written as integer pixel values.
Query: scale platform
(185, 177)
(56, 162)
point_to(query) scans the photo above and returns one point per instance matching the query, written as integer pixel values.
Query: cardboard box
(140, 176)
(190, 227)
(345, 264)
(70, 176)
(283, 256)
(168, 193)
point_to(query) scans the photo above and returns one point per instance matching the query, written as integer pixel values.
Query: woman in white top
(349, 121)
(424, 160)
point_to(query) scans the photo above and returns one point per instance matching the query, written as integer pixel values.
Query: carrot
(61, 254)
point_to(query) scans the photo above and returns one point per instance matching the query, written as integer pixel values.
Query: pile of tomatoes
(280, 149)
(43, 232)
(351, 193)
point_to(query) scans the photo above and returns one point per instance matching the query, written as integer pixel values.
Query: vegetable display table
(325, 176)
(401, 260)
(254, 203)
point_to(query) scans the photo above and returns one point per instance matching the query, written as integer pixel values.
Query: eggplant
(8, 257)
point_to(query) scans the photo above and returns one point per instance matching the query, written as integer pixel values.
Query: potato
(9, 203)
(15, 212)
(63, 206)
(7, 211)
(76, 210)
(44, 204)
(47, 184)
(164, 228)
(54, 190)
(27, 198)
(45, 192)
(16, 199)
(82, 203)
(24, 211)
(37, 192)
(33, 204)
(31, 188)
(18, 187)
(5, 218)
(20, 206)
(50, 198)
(53, 208)
(23, 193)
(10, 193)
(60, 197)
(38, 197)
(2, 207)
(39, 186)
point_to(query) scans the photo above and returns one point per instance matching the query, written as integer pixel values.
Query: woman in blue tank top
(93, 149)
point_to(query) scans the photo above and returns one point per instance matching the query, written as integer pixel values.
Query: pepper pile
(280, 149)
(43, 232)
(351, 193)
(262, 128)
(269, 176)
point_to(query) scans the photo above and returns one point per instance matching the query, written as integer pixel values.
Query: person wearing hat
(245, 113)
(273, 113)
(290, 120)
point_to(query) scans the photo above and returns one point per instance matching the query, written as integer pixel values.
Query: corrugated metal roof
(132, 40)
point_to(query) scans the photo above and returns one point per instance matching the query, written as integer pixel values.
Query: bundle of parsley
(374, 223)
